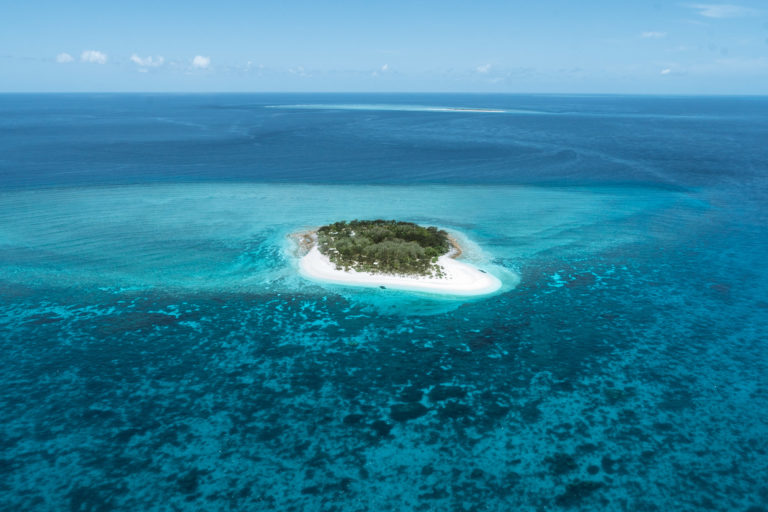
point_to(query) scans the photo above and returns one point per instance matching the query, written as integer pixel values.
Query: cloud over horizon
(64, 58)
(94, 57)
(148, 62)
(201, 62)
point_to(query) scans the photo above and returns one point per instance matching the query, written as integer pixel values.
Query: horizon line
(479, 93)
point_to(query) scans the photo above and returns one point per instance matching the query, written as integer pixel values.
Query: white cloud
(300, 71)
(93, 56)
(724, 10)
(653, 35)
(200, 62)
(63, 58)
(483, 69)
(382, 69)
(666, 71)
(148, 62)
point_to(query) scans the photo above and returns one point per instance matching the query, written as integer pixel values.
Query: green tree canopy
(384, 246)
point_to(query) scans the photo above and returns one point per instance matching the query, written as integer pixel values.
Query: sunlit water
(161, 352)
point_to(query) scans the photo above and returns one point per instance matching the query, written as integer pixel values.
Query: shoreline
(304, 240)
(456, 252)
(461, 279)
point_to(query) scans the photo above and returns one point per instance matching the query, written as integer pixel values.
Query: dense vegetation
(384, 246)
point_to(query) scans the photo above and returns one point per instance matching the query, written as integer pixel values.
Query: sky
(546, 46)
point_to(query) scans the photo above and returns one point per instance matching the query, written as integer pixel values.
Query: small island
(390, 254)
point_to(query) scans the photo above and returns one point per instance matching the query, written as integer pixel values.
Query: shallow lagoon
(234, 238)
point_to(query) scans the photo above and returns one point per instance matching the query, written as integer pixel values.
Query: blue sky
(546, 46)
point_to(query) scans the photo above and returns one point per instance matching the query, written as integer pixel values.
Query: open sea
(159, 352)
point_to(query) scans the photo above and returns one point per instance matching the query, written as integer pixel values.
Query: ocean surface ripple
(161, 352)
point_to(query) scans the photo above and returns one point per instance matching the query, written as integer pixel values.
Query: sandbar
(459, 278)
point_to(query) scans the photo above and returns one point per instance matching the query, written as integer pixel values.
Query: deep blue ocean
(160, 352)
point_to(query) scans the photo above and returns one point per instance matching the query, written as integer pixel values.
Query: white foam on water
(406, 108)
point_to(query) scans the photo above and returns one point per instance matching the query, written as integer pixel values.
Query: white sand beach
(460, 278)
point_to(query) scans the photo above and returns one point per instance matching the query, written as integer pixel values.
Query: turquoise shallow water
(236, 238)
(160, 352)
